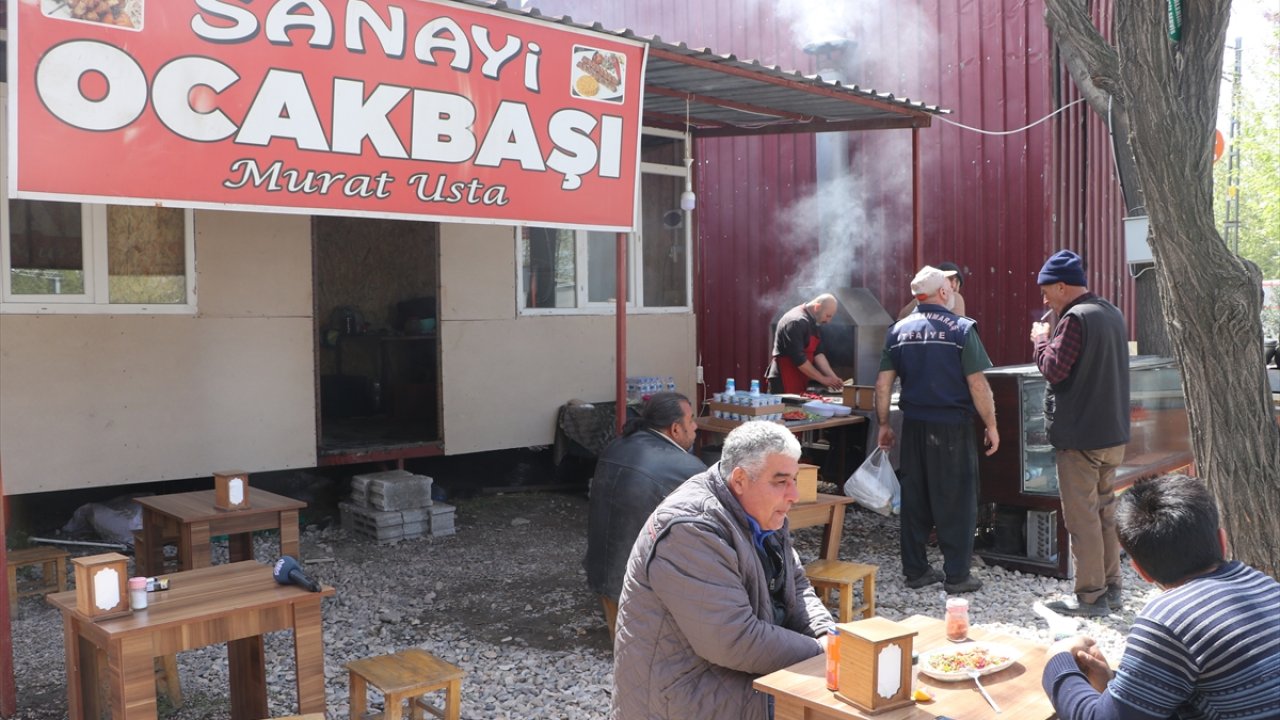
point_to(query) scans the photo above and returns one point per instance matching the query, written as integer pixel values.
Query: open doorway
(377, 353)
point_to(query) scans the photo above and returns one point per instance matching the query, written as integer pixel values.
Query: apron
(794, 381)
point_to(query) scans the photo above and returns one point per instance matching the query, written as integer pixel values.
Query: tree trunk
(1212, 298)
(1152, 330)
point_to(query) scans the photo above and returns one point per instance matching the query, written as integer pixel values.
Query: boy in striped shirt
(1207, 647)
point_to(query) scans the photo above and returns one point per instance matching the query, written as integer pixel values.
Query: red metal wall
(995, 204)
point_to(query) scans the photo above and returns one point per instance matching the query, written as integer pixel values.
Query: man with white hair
(715, 595)
(941, 361)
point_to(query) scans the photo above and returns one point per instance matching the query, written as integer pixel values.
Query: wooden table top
(1016, 689)
(195, 596)
(199, 505)
(808, 514)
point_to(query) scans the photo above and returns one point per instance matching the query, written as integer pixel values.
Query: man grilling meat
(797, 348)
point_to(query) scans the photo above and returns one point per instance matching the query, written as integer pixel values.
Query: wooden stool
(53, 578)
(406, 675)
(828, 575)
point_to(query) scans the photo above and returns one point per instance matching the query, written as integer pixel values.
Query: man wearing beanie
(1085, 362)
(941, 361)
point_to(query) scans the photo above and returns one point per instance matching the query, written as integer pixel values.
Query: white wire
(1008, 132)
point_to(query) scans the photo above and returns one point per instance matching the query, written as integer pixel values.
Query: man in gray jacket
(714, 595)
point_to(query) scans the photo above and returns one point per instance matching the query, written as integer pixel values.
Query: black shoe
(969, 584)
(1077, 608)
(1115, 598)
(929, 577)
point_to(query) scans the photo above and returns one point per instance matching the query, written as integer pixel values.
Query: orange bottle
(957, 619)
(833, 659)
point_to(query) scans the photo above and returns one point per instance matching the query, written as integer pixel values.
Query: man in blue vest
(1086, 412)
(940, 359)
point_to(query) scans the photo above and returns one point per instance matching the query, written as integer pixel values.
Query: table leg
(289, 544)
(831, 533)
(308, 654)
(240, 546)
(81, 666)
(151, 557)
(193, 547)
(132, 677)
(247, 666)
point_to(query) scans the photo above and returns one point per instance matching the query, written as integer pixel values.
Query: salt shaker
(957, 619)
(138, 593)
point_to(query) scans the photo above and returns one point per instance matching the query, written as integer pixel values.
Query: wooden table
(233, 604)
(801, 693)
(827, 511)
(195, 519)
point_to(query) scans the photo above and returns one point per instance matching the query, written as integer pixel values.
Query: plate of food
(598, 75)
(955, 662)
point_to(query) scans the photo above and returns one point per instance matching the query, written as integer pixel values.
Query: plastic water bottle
(729, 389)
(755, 388)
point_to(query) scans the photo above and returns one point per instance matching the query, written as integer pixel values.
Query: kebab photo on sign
(597, 74)
(120, 13)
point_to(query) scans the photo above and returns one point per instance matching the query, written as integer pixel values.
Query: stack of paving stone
(394, 505)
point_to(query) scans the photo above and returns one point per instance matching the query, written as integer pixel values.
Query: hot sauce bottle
(833, 659)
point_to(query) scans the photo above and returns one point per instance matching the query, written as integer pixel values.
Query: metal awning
(721, 95)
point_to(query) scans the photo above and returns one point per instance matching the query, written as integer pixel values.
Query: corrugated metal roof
(722, 95)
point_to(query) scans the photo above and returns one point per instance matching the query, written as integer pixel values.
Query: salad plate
(956, 662)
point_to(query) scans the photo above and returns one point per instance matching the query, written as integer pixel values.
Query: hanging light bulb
(688, 200)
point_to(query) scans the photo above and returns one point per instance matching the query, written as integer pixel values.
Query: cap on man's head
(927, 282)
(951, 269)
(1064, 267)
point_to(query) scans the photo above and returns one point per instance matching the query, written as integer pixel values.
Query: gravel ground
(506, 599)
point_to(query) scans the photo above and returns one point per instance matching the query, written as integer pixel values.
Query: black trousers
(939, 478)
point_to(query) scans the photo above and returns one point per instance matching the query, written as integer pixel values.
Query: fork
(974, 674)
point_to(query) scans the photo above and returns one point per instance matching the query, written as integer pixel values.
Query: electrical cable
(1008, 132)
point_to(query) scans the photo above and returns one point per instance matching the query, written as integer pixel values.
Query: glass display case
(1021, 523)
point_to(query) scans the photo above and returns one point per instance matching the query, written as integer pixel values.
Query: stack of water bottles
(641, 387)
(740, 406)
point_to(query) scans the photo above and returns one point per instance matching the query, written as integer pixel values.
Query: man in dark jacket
(1086, 412)
(715, 595)
(632, 476)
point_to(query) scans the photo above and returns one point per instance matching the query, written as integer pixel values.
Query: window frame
(93, 237)
(635, 249)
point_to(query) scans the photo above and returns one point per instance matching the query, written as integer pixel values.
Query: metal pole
(620, 380)
(917, 207)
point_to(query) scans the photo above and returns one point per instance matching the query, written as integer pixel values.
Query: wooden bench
(53, 562)
(828, 575)
(406, 676)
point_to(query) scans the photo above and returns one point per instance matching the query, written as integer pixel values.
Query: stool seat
(828, 575)
(53, 562)
(406, 675)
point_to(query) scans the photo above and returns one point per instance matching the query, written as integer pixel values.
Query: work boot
(929, 577)
(1076, 607)
(969, 584)
(1115, 597)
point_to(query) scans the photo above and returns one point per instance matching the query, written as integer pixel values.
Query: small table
(197, 519)
(800, 691)
(234, 604)
(827, 511)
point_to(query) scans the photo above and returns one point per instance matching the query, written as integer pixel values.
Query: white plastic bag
(874, 485)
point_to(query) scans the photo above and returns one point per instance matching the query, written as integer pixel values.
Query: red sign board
(391, 108)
